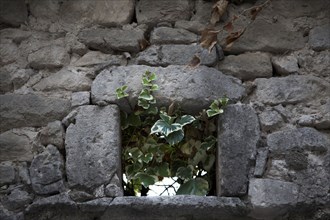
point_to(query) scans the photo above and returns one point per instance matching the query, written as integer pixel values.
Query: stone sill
(144, 208)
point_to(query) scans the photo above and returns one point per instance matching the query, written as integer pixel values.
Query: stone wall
(60, 145)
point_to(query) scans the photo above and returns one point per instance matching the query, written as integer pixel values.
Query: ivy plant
(165, 143)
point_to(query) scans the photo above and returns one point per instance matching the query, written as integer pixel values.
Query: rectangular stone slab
(93, 146)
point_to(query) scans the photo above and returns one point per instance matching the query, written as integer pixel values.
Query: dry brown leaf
(229, 27)
(209, 38)
(195, 61)
(171, 109)
(143, 43)
(254, 12)
(218, 10)
(234, 36)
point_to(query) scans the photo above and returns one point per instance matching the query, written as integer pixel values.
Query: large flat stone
(168, 35)
(30, 110)
(93, 147)
(47, 171)
(247, 66)
(291, 89)
(193, 88)
(271, 198)
(176, 55)
(69, 79)
(305, 138)
(7, 171)
(110, 39)
(319, 37)
(13, 12)
(150, 11)
(17, 144)
(238, 134)
(260, 36)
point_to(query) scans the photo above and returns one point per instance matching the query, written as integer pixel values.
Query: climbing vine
(166, 143)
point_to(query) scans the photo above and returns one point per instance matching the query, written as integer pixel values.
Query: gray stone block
(176, 55)
(17, 144)
(261, 162)
(46, 172)
(13, 12)
(270, 120)
(53, 134)
(285, 65)
(80, 98)
(7, 173)
(259, 36)
(247, 66)
(193, 26)
(94, 58)
(238, 134)
(30, 110)
(290, 89)
(193, 88)
(271, 198)
(305, 138)
(93, 147)
(150, 11)
(49, 57)
(319, 37)
(167, 35)
(8, 53)
(69, 79)
(17, 199)
(109, 39)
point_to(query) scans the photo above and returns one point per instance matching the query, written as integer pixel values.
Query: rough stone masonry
(60, 141)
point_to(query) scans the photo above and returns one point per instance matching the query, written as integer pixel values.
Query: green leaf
(185, 173)
(165, 117)
(175, 137)
(134, 120)
(197, 186)
(208, 164)
(153, 110)
(200, 156)
(185, 119)
(134, 153)
(145, 94)
(152, 76)
(146, 82)
(147, 157)
(143, 103)
(165, 128)
(132, 169)
(210, 112)
(154, 87)
(120, 92)
(146, 180)
(209, 143)
(223, 101)
(163, 170)
(186, 149)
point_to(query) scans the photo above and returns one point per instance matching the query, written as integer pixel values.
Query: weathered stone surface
(14, 34)
(49, 57)
(80, 196)
(238, 134)
(149, 11)
(80, 98)
(203, 10)
(176, 55)
(270, 120)
(17, 199)
(17, 144)
(93, 147)
(53, 134)
(247, 66)
(98, 58)
(301, 138)
(30, 110)
(75, 46)
(271, 198)
(260, 36)
(176, 207)
(291, 89)
(193, 88)
(319, 37)
(7, 172)
(12, 78)
(13, 12)
(261, 161)
(285, 65)
(8, 53)
(110, 39)
(97, 12)
(278, 169)
(193, 26)
(23, 173)
(70, 79)
(167, 35)
(47, 172)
